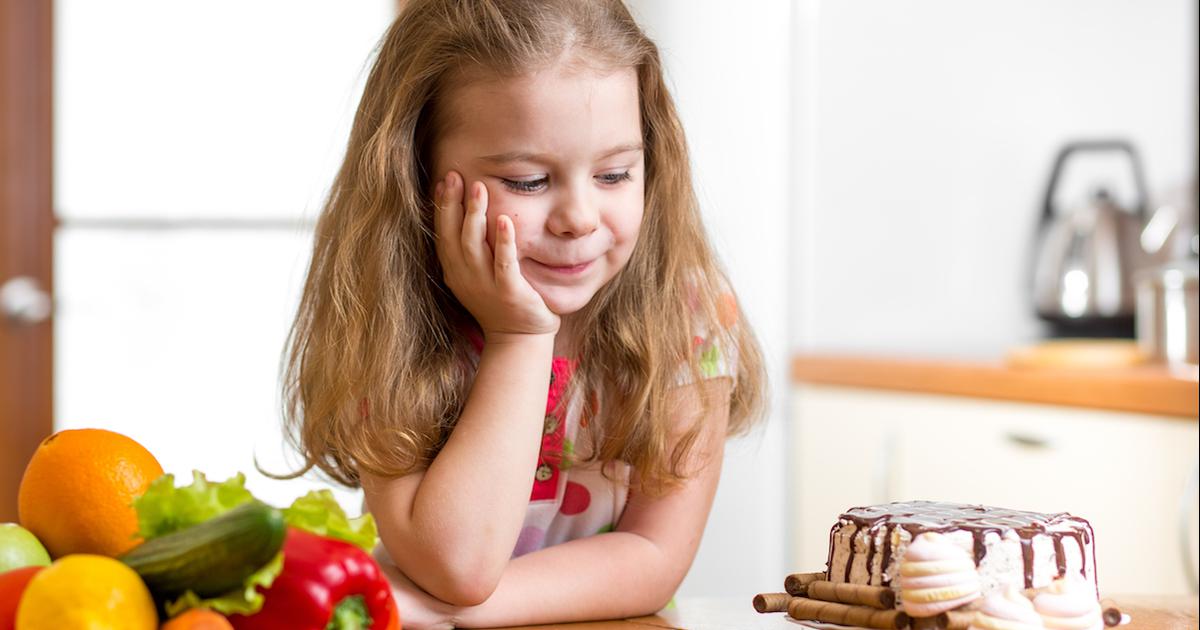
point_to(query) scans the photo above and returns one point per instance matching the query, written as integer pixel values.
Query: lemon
(86, 592)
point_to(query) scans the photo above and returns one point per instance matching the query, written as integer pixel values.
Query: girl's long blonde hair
(377, 368)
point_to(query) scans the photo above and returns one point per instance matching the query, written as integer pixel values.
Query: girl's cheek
(494, 216)
(499, 204)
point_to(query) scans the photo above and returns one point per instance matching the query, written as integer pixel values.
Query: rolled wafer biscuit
(796, 584)
(951, 620)
(771, 602)
(830, 612)
(879, 597)
(928, 623)
(1110, 612)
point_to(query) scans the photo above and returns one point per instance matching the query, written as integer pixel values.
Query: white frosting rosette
(1069, 605)
(936, 575)
(1009, 610)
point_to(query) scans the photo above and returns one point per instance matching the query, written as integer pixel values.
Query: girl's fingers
(508, 270)
(447, 218)
(474, 229)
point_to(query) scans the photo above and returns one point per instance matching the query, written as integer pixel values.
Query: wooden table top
(1146, 613)
(1146, 389)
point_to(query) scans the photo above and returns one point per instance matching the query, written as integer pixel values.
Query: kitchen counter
(1146, 613)
(1143, 389)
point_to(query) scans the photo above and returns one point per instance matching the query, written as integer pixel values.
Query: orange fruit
(198, 619)
(77, 492)
(86, 592)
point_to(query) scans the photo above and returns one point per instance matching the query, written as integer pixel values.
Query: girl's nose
(574, 216)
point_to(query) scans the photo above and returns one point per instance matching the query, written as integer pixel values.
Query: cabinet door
(1124, 473)
(841, 459)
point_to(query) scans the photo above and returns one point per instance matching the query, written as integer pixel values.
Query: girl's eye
(616, 178)
(534, 185)
(525, 186)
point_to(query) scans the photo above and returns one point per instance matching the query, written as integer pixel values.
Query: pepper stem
(350, 614)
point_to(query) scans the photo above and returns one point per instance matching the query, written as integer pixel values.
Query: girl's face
(560, 152)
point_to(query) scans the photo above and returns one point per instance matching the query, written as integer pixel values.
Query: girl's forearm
(609, 576)
(471, 501)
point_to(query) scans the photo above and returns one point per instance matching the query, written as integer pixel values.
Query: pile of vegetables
(214, 546)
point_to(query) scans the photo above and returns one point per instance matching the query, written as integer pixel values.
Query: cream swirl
(1069, 605)
(1009, 610)
(936, 575)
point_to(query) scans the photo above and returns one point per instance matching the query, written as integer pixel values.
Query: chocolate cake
(1009, 547)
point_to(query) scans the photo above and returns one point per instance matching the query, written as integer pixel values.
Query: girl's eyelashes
(523, 185)
(616, 178)
(535, 185)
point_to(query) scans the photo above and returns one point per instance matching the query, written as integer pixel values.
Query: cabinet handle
(1185, 521)
(1029, 440)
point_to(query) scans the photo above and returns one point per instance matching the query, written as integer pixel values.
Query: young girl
(514, 335)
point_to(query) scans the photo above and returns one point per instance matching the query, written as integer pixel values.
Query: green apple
(20, 548)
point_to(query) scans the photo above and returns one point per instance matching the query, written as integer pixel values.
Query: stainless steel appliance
(1085, 256)
(1168, 325)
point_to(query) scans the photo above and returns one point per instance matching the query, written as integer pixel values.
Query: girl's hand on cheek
(489, 285)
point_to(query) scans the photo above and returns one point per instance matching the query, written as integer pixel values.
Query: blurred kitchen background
(872, 172)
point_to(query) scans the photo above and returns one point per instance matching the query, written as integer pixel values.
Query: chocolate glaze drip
(829, 559)
(871, 548)
(1078, 536)
(887, 553)
(1060, 556)
(850, 560)
(1027, 559)
(918, 517)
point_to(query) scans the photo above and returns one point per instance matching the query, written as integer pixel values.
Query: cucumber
(213, 557)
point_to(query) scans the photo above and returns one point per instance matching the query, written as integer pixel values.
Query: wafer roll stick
(771, 602)
(879, 597)
(958, 619)
(830, 612)
(1110, 612)
(797, 583)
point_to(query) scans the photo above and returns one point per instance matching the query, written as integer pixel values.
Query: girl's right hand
(490, 286)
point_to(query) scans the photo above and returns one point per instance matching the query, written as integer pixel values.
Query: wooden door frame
(26, 232)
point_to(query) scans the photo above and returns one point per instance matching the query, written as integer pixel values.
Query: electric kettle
(1085, 257)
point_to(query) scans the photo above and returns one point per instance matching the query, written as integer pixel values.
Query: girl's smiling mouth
(567, 270)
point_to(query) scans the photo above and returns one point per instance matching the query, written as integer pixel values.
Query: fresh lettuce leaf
(244, 601)
(164, 509)
(319, 513)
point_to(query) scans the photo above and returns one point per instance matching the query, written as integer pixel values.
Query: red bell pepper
(321, 579)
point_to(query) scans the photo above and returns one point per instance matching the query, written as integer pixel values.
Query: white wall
(925, 137)
(192, 142)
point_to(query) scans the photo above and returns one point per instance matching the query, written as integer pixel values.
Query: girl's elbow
(466, 592)
(659, 601)
(468, 585)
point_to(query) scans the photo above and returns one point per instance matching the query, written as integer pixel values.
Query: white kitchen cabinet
(1127, 473)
